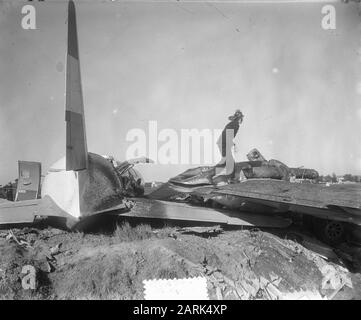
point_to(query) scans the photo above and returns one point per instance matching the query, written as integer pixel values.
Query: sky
(185, 65)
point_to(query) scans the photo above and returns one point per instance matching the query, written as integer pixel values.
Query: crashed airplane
(84, 186)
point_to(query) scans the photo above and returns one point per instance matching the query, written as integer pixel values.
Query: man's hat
(237, 115)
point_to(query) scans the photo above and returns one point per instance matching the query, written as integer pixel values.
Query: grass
(126, 233)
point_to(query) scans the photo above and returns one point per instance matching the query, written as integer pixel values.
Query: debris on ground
(55, 250)
(238, 264)
(20, 242)
(202, 231)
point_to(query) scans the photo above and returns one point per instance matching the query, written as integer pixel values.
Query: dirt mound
(113, 272)
(238, 264)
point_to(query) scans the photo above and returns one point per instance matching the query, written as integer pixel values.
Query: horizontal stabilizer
(18, 212)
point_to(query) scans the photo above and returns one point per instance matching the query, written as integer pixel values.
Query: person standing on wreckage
(225, 143)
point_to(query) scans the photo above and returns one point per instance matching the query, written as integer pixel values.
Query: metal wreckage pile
(256, 168)
(270, 189)
(84, 187)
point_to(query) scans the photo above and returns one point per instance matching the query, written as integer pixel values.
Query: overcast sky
(185, 65)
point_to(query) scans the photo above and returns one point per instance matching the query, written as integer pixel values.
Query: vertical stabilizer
(76, 146)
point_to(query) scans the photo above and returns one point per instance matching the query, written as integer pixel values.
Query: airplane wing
(337, 202)
(165, 210)
(157, 205)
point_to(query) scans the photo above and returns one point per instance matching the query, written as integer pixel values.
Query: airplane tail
(96, 184)
(76, 145)
(94, 189)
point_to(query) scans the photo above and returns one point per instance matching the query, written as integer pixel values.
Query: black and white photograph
(180, 150)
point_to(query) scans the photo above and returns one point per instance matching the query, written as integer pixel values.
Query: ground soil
(113, 265)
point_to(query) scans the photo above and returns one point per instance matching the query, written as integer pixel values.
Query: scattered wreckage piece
(202, 231)
(131, 180)
(56, 249)
(20, 242)
(316, 246)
